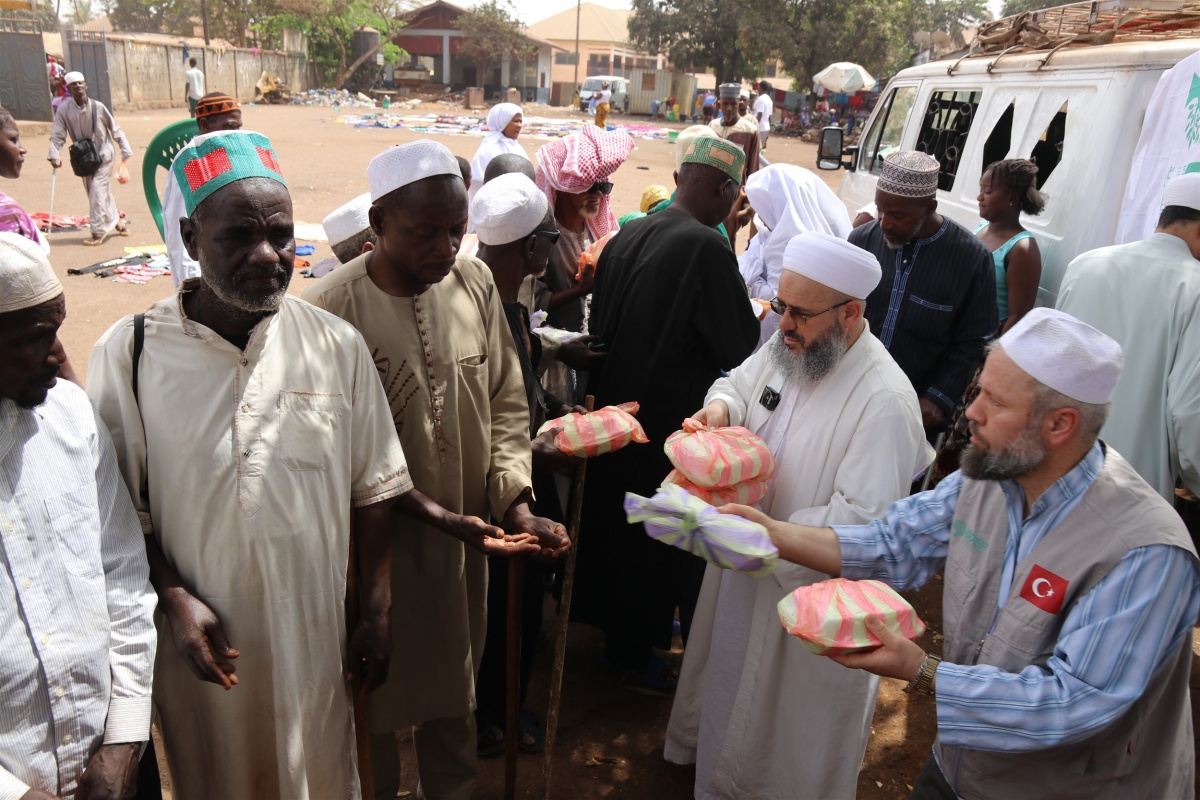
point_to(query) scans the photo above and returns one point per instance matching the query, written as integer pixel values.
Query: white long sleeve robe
(762, 717)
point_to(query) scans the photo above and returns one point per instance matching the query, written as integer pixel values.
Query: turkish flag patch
(1045, 590)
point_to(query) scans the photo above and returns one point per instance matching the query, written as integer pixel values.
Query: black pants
(149, 785)
(931, 784)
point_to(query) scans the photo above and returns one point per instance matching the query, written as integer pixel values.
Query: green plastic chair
(160, 152)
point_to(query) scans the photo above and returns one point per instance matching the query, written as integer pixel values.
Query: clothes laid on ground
(1037, 675)
(92, 120)
(13, 219)
(672, 308)
(1146, 295)
(759, 714)
(789, 200)
(1000, 259)
(288, 434)
(743, 133)
(935, 307)
(453, 379)
(76, 629)
(494, 142)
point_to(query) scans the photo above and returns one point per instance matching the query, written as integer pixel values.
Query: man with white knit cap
(77, 636)
(759, 714)
(1071, 588)
(348, 228)
(436, 328)
(1146, 295)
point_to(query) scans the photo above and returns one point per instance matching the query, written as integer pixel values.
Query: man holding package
(673, 310)
(1071, 589)
(843, 423)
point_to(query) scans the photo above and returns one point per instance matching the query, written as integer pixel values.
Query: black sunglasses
(780, 308)
(603, 187)
(551, 235)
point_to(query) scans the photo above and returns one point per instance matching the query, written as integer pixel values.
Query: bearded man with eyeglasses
(844, 425)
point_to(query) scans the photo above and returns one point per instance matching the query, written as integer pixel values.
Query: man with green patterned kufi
(252, 430)
(672, 308)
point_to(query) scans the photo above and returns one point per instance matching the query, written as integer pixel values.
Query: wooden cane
(564, 618)
(358, 682)
(512, 689)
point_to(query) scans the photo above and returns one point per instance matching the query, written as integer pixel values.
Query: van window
(888, 129)
(1000, 141)
(592, 84)
(944, 130)
(1048, 150)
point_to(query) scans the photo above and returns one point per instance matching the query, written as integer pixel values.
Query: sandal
(93, 242)
(650, 673)
(528, 725)
(122, 229)
(489, 739)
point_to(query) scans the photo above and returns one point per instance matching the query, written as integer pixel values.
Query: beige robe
(254, 459)
(451, 373)
(761, 716)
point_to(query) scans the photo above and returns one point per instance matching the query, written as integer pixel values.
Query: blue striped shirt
(1112, 641)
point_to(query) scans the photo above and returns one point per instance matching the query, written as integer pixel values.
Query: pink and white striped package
(747, 492)
(718, 457)
(830, 617)
(597, 433)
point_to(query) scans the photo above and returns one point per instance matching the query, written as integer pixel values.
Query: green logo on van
(961, 531)
(1192, 131)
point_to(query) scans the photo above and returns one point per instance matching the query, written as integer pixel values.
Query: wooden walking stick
(512, 687)
(564, 618)
(358, 683)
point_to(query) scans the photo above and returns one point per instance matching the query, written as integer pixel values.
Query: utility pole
(204, 18)
(578, 9)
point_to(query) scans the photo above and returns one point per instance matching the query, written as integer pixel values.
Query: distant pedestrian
(194, 86)
(91, 120)
(735, 126)
(603, 104)
(710, 100)
(764, 106)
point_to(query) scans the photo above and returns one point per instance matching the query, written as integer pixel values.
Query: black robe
(671, 306)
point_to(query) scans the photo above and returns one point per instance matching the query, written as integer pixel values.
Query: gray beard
(812, 363)
(1020, 458)
(235, 298)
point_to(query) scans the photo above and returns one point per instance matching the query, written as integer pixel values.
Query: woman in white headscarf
(504, 126)
(788, 200)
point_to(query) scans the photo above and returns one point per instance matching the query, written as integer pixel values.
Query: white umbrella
(844, 77)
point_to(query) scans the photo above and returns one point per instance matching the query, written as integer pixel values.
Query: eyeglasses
(551, 235)
(781, 308)
(603, 187)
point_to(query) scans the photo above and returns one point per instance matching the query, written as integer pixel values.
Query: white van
(1079, 111)
(618, 86)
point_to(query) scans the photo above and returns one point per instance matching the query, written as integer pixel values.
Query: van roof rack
(1090, 23)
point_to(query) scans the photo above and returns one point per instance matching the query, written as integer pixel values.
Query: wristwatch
(923, 683)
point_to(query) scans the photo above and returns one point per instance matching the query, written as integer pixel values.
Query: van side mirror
(829, 150)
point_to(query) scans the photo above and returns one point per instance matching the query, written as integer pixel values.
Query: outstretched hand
(578, 353)
(200, 638)
(547, 456)
(897, 657)
(551, 536)
(489, 539)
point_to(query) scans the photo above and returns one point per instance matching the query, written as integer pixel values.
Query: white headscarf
(495, 142)
(789, 200)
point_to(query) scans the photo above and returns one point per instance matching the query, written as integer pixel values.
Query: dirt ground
(602, 715)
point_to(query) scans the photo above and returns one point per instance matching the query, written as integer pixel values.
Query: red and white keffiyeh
(575, 162)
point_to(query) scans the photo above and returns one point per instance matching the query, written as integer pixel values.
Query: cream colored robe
(451, 374)
(762, 717)
(254, 459)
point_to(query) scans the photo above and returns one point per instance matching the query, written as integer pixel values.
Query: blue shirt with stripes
(1112, 641)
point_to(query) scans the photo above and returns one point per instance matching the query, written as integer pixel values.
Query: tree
(330, 26)
(152, 16)
(808, 35)
(491, 33)
(1013, 7)
(699, 34)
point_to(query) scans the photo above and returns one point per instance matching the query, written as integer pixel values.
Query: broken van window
(1049, 148)
(1000, 141)
(944, 130)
